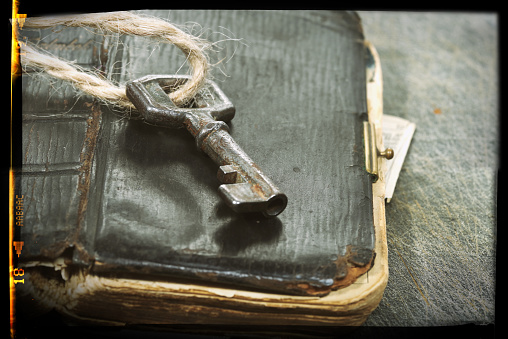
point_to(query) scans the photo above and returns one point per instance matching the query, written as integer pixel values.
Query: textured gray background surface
(440, 71)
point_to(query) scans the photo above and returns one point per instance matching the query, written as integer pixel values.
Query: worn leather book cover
(123, 222)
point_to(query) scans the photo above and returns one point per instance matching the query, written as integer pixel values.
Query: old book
(122, 222)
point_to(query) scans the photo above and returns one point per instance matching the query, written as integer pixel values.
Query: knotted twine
(122, 23)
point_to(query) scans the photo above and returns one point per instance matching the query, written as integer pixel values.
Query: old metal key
(244, 186)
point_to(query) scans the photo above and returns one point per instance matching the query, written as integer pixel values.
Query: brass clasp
(372, 152)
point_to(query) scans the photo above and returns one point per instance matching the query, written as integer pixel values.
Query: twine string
(122, 23)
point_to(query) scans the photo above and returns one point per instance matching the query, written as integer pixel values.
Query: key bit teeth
(228, 174)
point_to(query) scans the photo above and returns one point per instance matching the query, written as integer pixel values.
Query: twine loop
(121, 23)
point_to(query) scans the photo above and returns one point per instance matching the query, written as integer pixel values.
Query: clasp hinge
(372, 152)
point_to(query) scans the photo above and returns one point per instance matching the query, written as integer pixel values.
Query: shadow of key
(247, 231)
(164, 151)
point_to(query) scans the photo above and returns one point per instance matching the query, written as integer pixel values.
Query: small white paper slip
(397, 135)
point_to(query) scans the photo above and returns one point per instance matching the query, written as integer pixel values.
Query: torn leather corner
(356, 262)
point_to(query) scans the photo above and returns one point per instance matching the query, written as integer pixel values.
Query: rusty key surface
(244, 186)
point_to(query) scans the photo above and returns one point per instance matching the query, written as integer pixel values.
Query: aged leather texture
(127, 199)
